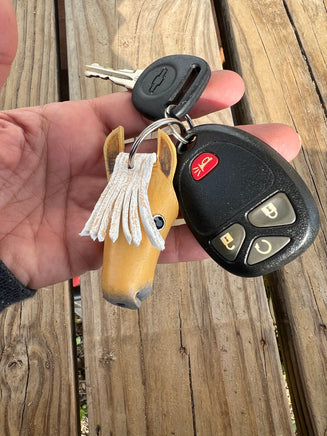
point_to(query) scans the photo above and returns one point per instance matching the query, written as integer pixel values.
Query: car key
(172, 83)
(245, 204)
(170, 86)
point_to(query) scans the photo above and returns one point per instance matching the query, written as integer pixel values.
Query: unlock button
(229, 242)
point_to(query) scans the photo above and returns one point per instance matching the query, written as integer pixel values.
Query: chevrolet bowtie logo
(157, 81)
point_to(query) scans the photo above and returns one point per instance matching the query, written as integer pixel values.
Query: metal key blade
(126, 78)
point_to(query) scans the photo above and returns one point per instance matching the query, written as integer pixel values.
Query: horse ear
(113, 145)
(166, 154)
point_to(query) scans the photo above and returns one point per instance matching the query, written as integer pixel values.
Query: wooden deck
(200, 357)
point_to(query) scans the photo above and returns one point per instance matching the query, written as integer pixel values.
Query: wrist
(14, 265)
(11, 289)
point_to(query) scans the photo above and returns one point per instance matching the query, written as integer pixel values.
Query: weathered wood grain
(33, 78)
(200, 356)
(280, 50)
(309, 24)
(37, 376)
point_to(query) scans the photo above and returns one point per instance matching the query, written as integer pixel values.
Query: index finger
(224, 89)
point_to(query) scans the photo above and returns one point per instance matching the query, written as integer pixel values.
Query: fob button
(203, 165)
(229, 242)
(265, 247)
(276, 211)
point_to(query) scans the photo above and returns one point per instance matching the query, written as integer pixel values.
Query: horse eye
(159, 221)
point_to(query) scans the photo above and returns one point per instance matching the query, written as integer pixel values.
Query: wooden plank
(200, 356)
(37, 377)
(281, 53)
(309, 24)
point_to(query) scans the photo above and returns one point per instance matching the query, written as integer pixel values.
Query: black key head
(172, 83)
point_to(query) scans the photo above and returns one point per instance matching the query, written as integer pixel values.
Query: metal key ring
(152, 128)
(188, 119)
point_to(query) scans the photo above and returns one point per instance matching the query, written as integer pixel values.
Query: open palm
(52, 172)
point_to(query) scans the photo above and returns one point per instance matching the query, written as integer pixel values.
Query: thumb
(8, 38)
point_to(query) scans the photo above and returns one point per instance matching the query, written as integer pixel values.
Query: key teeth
(122, 77)
(127, 83)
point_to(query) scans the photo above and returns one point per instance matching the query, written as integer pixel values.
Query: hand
(52, 172)
(8, 38)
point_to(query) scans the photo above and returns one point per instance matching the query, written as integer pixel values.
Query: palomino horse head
(128, 270)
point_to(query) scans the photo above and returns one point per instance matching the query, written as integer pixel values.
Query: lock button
(276, 211)
(229, 242)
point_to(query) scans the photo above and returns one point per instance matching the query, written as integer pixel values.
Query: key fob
(173, 82)
(245, 204)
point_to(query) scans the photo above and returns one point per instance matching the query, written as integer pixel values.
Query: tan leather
(128, 271)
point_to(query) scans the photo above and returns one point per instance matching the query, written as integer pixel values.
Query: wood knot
(107, 359)
(15, 363)
(47, 364)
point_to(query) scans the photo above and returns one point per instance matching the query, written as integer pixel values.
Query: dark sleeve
(11, 290)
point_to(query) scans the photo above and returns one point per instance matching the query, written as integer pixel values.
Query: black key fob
(170, 86)
(245, 204)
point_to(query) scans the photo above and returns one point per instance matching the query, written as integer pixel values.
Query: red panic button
(203, 165)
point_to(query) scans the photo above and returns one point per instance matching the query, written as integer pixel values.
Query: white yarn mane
(123, 201)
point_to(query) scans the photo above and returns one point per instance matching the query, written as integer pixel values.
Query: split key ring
(152, 128)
